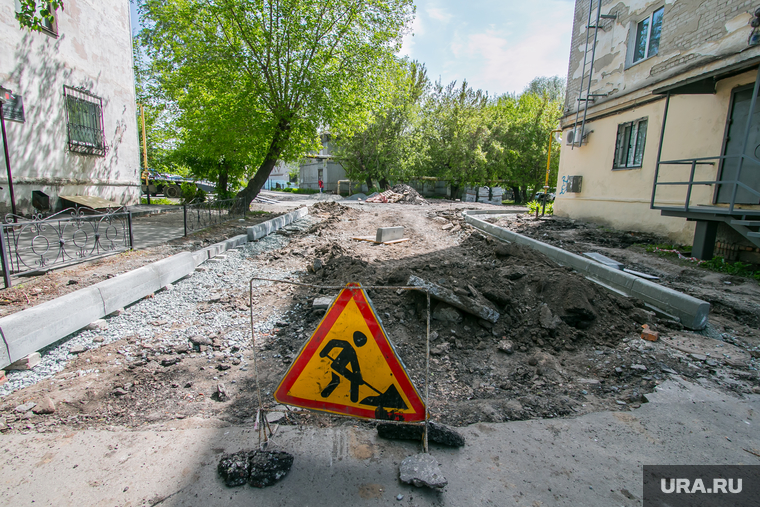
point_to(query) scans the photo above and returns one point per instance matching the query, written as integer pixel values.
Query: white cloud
(408, 42)
(439, 14)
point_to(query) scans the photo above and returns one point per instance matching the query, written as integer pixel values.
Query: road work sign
(349, 367)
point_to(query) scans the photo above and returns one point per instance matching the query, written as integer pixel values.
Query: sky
(498, 46)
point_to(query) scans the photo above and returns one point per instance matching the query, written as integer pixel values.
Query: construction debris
(469, 305)
(422, 470)
(437, 433)
(26, 363)
(400, 193)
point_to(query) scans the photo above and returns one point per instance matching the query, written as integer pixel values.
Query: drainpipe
(7, 155)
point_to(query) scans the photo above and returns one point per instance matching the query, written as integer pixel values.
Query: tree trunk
(524, 193)
(255, 184)
(369, 184)
(383, 183)
(516, 194)
(222, 183)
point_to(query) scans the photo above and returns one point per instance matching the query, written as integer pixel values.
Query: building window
(629, 148)
(84, 122)
(648, 33)
(47, 25)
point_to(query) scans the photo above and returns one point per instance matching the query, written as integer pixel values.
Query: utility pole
(146, 173)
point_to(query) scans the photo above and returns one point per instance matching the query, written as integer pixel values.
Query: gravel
(152, 320)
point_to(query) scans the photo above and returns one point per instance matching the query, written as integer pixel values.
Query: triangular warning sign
(349, 367)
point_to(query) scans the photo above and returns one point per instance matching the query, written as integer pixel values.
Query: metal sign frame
(261, 420)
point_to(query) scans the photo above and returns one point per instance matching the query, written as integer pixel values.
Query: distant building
(78, 133)
(657, 119)
(322, 166)
(279, 177)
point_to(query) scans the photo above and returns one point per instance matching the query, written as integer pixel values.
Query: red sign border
(352, 291)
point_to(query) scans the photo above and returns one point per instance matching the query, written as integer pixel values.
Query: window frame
(630, 155)
(52, 30)
(74, 96)
(632, 46)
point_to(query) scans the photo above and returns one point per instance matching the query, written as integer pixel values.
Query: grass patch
(158, 200)
(538, 205)
(717, 264)
(296, 190)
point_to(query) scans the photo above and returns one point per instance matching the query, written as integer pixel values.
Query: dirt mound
(410, 195)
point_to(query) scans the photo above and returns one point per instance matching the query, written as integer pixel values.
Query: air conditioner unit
(572, 136)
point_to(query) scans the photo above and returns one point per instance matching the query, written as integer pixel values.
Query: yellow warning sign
(349, 367)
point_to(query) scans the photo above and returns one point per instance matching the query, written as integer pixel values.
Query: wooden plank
(371, 239)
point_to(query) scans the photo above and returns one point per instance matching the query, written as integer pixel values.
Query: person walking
(321, 185)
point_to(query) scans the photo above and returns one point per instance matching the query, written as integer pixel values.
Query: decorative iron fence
(67, 237)
(205, 214)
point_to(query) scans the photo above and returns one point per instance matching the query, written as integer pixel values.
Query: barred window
(84, 122)
(629, 148)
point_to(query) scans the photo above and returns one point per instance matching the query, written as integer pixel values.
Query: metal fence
(73, 235)
(205, 214)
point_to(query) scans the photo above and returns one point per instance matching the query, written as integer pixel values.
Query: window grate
(84, 122)
(629, 145)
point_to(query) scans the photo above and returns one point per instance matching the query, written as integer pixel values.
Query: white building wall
(93, 51)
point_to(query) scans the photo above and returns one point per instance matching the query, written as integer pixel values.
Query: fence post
(4, 255)
(184, 212)
(131, 237)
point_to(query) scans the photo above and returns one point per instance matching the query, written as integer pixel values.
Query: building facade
(321, 166)
(656, 131)
(78, 133)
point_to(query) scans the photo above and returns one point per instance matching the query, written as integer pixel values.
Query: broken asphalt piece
(235, 468)
(422, 470)
(464, 303)
(268, 467)
(221, 393)
(199, 340)
(446, 313)
(438, 433)
(506, 346)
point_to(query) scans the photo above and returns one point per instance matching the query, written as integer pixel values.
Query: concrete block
(125, 289)
(389, 234)
(30, 330)
(26, 363)
(173, 268)
(258, 231)
(691, 311)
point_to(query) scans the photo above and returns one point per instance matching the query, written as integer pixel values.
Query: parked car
(540, 197)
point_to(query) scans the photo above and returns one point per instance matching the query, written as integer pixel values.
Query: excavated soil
(562, 345)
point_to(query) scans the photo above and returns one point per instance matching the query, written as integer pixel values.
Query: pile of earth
(550, 319)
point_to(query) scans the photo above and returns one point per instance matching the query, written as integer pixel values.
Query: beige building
(78, 133)
(656, 121)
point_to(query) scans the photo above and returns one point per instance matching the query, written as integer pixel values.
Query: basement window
(629, 147)
(648, 31)
(84, 122)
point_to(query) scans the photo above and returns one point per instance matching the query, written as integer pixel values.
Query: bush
(537, 205)
(191, 193)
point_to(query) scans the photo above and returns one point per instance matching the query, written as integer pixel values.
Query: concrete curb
(692, 312)
(32, 329)
(265, 228)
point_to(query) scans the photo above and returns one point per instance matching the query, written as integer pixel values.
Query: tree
(455, 134)
(34, 18)
(553, 87)
(273, 72)
(382, 150)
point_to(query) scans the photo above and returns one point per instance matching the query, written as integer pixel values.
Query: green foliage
(737, 268)
(36, 18)
(253, 81)
(538, 205)
(191, 193)
(157, 200)
(296, 190)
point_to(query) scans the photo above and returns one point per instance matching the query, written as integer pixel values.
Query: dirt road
(562, 347)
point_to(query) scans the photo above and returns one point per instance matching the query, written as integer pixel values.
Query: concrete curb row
(32, 329)
(692, 312)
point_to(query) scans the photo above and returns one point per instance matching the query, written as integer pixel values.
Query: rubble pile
(400, 193)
